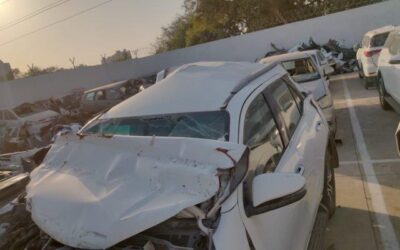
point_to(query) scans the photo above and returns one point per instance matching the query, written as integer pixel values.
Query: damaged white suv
(220, 155)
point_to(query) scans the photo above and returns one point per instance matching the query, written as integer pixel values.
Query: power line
(32, 14)
(55, 23)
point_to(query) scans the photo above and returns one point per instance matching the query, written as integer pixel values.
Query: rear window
(379, 40)
(302, 70)
(90, 96)
(206, 125)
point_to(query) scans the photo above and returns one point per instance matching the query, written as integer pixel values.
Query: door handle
(318, 126)
(300, 170)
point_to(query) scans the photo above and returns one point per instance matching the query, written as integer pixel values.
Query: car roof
(107, 86)
(381, 30)
(196, 87)
(288, 56)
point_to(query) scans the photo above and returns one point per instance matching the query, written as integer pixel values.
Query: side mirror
(275, 190)
(328, 70)
(395, 59)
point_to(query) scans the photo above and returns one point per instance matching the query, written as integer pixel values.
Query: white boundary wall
(347, 27)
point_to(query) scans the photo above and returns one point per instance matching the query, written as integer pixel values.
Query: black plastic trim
(276, 203)
(245, 81)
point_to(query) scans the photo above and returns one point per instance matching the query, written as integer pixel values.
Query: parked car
(104, 97)
(389, 72)
(306, 72)
(164, 73)
(221, 155)
(26, 114)
(319, 59)
(368, 54)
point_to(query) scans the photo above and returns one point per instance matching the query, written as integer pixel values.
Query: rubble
(341, 58)
(22, 152)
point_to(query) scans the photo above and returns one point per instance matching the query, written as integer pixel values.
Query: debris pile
(341, 58)
(33, 125)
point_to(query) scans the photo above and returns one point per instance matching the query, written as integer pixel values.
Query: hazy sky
(120, 24)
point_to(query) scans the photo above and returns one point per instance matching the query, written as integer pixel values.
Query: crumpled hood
(317, 88)
(94, 192)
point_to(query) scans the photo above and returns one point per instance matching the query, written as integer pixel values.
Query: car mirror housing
(275, 190)
(395, 59)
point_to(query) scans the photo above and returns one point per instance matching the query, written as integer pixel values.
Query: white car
(368, 54)
(220, 155)
(389, 72)
(306, 72)
(24, 114)
(319, 59)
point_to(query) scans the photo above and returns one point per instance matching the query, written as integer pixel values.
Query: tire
(366, 82)
(382, 94)
(360, 71)
(329, 192)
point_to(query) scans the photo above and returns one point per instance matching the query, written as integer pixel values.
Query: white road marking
(377, 161)
(385, 226)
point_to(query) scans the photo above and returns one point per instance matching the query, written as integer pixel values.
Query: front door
(284, 134)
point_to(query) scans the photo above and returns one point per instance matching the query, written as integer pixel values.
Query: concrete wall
(347, 27)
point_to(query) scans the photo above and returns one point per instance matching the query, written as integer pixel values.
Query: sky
(119, 24)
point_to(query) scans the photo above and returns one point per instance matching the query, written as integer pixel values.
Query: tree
(208, 20)
(34, 70)
(16, 73)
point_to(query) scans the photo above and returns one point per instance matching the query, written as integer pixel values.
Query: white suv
(219, 155)
(389, 72)
(368, 54)
(304, 68)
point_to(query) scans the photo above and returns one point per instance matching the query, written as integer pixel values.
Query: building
(6, 73)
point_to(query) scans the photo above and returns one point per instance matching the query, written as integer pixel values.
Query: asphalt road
(368, 179)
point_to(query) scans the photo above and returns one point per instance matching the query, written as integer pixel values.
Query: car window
(123, 90)
(302, 70)
(394, 45)
(297, 97)
(365, 41)
(379, 40)
(206, 125)
(262, 136)
(321, 57)
(7, 115)
(100, 95)
(90, 96)
(314, 57)
(286, 104)
(114, 94)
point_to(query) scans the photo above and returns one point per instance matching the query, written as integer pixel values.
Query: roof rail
(245, 81)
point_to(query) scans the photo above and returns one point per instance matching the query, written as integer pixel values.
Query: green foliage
(35, 70)
(209, 20)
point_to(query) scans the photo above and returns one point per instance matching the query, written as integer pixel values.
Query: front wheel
(382, 94)
(329, 193)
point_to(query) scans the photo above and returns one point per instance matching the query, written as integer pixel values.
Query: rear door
(391, 71)
(296, 132)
